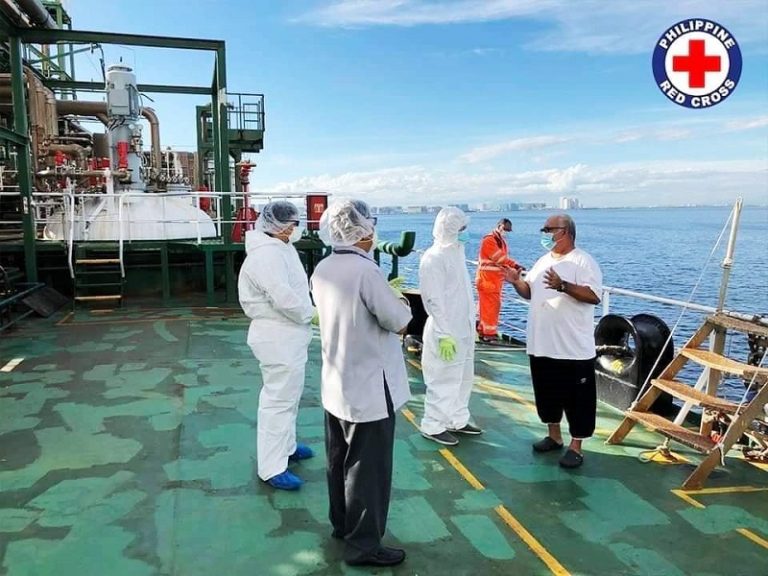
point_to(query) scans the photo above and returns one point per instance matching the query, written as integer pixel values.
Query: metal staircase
(98, 277)
(738, 417)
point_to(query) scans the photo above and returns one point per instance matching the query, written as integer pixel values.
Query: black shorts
(565, 386)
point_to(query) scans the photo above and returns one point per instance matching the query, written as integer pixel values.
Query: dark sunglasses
(548, 229)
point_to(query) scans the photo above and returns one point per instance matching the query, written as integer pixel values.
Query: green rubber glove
(315, 318)
(397, 285)
(447, 346)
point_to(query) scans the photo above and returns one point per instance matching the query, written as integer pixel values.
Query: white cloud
(636, 184)
(484, 153)
(417, 12)
(593, 26)
(746, 123)
(653, 133)
(487, 51)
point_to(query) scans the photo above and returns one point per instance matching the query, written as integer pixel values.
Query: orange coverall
(492, 261)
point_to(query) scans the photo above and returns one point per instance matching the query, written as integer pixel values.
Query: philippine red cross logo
(697, 63)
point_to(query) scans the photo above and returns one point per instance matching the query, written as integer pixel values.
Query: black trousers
(565, 386)
(360, 480)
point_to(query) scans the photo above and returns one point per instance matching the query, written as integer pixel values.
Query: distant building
(390, 210)
(567, 203)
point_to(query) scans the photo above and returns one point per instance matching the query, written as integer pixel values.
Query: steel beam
(20, 126)
(43, 36)
(11, 136)
(152, 88)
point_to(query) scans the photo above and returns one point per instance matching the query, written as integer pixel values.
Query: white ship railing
(71, 221)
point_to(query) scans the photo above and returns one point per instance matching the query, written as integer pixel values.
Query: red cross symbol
(697, 64)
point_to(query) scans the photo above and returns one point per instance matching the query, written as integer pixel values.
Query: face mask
(548, 240)
(374, 243)
(295, 235)
(463, 236)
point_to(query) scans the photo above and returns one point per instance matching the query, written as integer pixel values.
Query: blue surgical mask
(463, 236)
(548, 240)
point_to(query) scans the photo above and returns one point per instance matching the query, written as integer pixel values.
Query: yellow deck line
(762, 466)
(554, 566)
(63, 320)
(551, 562)
(11, 364)
(461, 469)
(509, 393)
(726, 490)
(683, 496)
(754, 537)
(543, 554)
(409, 416)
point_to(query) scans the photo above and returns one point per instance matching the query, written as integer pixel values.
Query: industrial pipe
(37, 13)
(402, 248)
(42, 104)
(154, 135)
(14, 14)
(99, 110)
(69, 149)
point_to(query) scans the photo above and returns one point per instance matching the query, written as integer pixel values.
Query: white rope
(684, 310)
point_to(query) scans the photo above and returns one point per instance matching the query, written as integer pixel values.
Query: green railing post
(220, 104)
(22, 158)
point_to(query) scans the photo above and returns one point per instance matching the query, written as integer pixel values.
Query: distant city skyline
(435, 101)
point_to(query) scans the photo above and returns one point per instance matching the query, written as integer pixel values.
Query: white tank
(145, 216)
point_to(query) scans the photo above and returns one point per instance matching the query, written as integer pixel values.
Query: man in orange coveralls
(492, 261)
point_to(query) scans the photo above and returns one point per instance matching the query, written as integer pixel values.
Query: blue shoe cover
(285, 481)
(302, 452)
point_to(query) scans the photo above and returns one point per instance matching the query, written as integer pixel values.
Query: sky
(407, 102)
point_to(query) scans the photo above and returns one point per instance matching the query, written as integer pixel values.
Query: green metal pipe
(402, 248)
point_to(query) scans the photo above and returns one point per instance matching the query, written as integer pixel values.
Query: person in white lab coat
(364, 381)
(274, 292)
(448, 356)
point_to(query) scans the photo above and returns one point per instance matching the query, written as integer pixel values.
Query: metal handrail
(71, 239)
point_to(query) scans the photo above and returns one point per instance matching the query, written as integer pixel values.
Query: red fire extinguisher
(246, 215)
(204, 201)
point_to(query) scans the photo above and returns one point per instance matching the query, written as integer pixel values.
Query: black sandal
(571, 459)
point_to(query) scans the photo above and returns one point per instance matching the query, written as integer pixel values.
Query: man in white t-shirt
(563, 286)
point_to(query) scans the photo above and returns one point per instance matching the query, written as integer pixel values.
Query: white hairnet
(345, 223)
(276, 217)
(447, 225)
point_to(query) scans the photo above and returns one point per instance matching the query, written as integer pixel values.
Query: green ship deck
(127, 445)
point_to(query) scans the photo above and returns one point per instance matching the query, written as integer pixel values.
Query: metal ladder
(97, 274)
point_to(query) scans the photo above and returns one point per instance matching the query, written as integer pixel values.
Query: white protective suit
(274, 292)
(447, 294)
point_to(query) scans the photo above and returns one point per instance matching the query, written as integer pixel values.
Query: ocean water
(668, 252)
